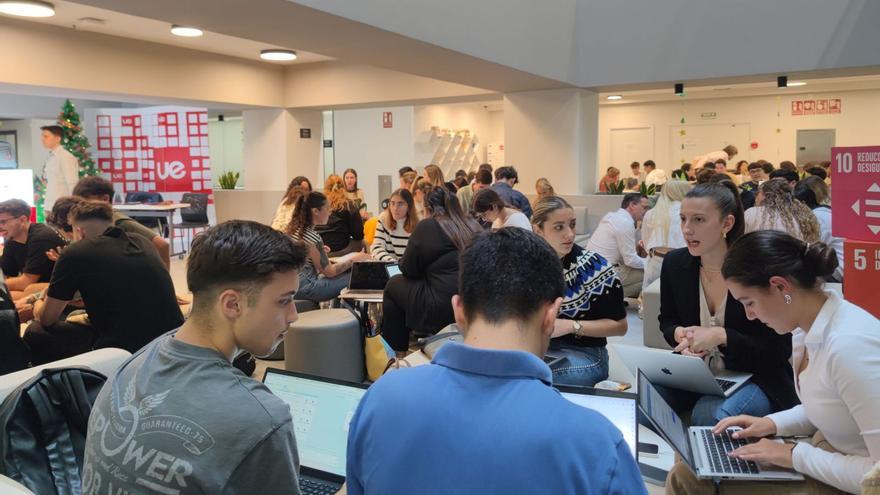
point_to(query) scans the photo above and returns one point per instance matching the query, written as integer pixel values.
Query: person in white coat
(62, 168)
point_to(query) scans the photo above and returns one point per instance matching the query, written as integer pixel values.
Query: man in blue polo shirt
(483, 416)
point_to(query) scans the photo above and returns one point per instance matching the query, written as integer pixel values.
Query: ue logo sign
(855, 176)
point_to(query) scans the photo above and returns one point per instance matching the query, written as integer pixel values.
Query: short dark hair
(460, 173)
(650, 163)
(91, 210)
(483, 177)
(486, 199)
(93, 186)
(15, 208)
(508, 275)
(485, 166)
(818, 171)
(768, 167)
(757, 256)
(631, 198)
(241, 255)
(56, 130)
(506, 173)
(755, 165)
(679, 174)
(404, 170)
(686, 167)
(787, 165)
(61, 211)
(789, 175)
(721, 161)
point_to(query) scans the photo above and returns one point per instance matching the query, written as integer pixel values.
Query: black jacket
(751, 346)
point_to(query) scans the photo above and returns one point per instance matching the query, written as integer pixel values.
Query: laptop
(321, 408)
(682, 372)
(368, 280)
(704, 452)
(620, 408)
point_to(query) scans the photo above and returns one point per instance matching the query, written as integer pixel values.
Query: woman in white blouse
(661, 228)
(836, 361)
(489, 207)
(394, 227)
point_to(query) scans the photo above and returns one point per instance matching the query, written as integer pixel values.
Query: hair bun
(821, 258)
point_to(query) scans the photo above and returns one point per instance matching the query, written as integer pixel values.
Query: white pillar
(553, 134)
(275, 152)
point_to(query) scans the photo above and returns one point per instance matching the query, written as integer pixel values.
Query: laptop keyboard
(315, 487)
(725, 384)
(717, 447)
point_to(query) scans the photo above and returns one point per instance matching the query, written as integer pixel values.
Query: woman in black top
(699, 317)
(421, 298)
(344, 231)
(592, 306)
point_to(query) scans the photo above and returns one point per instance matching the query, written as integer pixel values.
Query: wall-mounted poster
(8, 149)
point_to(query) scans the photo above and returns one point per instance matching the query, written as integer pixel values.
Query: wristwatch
(577, 328)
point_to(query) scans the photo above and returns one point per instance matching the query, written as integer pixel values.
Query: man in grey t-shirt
(177, 417)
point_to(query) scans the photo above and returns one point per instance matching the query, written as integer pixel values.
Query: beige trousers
(631, 279)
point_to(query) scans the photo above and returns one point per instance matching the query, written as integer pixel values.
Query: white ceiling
(73, 15)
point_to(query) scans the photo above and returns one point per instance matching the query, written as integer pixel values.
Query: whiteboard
(699, 139)
(631, 144)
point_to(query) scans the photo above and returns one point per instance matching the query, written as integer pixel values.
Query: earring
(723, 235)
(787, 299)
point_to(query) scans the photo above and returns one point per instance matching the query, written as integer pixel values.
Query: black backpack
(43, 427)
(14, 354)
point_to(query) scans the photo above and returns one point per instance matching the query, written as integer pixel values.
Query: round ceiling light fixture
(614, 97)
(278, 55)
(27, 8)
(186, 31)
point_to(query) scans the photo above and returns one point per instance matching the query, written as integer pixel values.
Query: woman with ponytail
(699, 317)
(421, 298)
(836, 358)
(343, 231)
(310, 210)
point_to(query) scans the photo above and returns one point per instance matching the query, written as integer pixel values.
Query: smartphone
(648, 449)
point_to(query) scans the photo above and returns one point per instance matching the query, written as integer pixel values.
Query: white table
(165, 211)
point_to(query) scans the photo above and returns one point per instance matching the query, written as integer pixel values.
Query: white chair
(103, 361)
(11, 487)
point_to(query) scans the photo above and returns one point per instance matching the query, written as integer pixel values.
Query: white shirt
(62, 173)
(515, 219)
(654, 237)
(283, 215)
(657, 177)
(839, 392)
(615, 240)
(823, 215)
(711, 157)
(754, 220)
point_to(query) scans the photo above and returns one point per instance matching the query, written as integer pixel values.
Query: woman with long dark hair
(394, 227)
(420, 299)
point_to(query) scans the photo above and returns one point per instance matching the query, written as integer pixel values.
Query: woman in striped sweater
(395, 225)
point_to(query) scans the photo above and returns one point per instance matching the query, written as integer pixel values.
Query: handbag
(378, 356)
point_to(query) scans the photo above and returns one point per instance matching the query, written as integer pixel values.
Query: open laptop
(368, 280)
(620, 408)
(704, 452)
(321, 408)
(682, 372)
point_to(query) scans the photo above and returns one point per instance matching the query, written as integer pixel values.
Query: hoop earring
(787, 299)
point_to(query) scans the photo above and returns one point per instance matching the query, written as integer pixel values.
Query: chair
(9, 486)
(147, 198)
(302, 306)
(326, 343)
(581, 234)
(194, 217)
(652, 336)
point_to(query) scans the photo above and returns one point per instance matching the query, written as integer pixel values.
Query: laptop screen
(321, 413)
(619, 409)
(392, 270)
(664, 417)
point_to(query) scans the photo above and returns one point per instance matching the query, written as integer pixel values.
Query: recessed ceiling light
(27, 8)
(186, 31)
(278, 55)
(614, 97)
(797, 83)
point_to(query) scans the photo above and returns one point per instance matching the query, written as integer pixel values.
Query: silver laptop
(619, 408)
(322, 409)
(682, 372)
(368, 280)
(704, 452)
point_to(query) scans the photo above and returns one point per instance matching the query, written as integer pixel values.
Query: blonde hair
(334, 189)
(544, 188)
(408, 179)
(673, 192)
(434, 175)
(795, 215)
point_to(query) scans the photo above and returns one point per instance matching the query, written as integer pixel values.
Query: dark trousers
(59, 341)
(394, 329)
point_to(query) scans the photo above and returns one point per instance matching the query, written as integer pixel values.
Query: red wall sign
(855, 174)
(860, 274)
(387, 120)
(797, 107)
(816, 107)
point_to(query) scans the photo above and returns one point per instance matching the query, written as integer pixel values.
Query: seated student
(14, 355)
(284, 211)
(126, 290)
(615, 240)
(420, 299)
(310, 210)
(343, 232)
(611, 178)
(490, 208)
(592, 305)
(791, 176)
(24, 260)
(505, 179)
(215, 430)
(777, 210)
(661, 228)
(758, 173)
(98, 188)
(395, 226)
(837, 372)
(813, 192)
(484, 413)
(698, 317)
(482, 180)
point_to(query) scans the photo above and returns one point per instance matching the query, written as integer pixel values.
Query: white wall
(226, 141)
(363, 144)
(471, 116)
(31, 153)
(776, 135)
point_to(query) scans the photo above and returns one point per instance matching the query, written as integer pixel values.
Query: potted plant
(228, 180)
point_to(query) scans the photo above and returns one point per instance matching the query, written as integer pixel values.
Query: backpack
(43, 426)
(14, 354)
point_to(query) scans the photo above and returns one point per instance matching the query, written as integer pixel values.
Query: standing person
(699, 317)
(635, 171)
(421, 189)
(24, 260)
(612, 177)
(837, 373)
(309, 211)
(489, 207)
(343, 232)
(434, 176)
(777, 210)
(615, 240)
(395, 226)
(505, 179)
(62, 169)
(813, 192)
(353, 193)
(661, 228)
(655, 177)
(127, 291)
(727, 153)
(193, 422)
(543, 189)
(298, 185)
(485, 397)
(482, 180)
(592, 303)
(420, 299)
